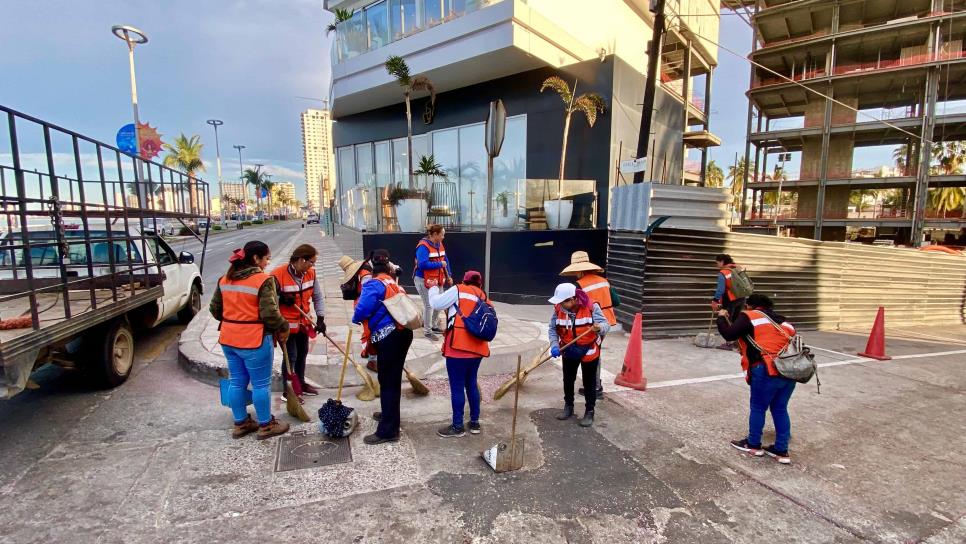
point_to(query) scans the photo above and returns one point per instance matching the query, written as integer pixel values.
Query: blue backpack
(481, 322)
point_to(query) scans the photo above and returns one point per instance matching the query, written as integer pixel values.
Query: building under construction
(857, 112)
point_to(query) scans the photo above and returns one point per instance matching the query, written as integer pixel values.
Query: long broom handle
(516, 400)
(345, 363)
(547, 358)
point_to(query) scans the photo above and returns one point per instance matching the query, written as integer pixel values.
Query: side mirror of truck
(186, 258)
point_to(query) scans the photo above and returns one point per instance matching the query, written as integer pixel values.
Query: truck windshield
(48, 255)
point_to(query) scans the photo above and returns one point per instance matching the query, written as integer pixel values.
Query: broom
(521, 377)
(370, 388)
(418, 387)
(292, 404)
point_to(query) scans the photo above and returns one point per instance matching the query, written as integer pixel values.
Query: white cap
(563, 292)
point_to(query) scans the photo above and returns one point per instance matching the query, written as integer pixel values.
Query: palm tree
(341, 16)
(714, 175)
(185, 155)
(270, 188)
(590, 104)
(256, 178)
(951, 157)
(398, 69)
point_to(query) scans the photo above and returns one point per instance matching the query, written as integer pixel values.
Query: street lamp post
(241, 178)
(133, 36)
(221, 187)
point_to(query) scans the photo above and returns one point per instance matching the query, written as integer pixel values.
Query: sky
(246, 62)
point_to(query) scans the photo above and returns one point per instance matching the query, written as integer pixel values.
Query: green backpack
(741, 284)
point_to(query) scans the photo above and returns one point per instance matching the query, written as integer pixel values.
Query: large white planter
(411, 214)
(501, 221)
(561, 209)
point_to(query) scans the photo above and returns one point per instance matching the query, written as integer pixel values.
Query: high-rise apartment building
(285, 189)
(317, 152)
(856, 118)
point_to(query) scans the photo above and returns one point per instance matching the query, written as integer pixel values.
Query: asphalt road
(65, 396)
(220, 247)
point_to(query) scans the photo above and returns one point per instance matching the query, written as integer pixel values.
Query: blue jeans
(255, 366)
(462, 377)
(770, 393)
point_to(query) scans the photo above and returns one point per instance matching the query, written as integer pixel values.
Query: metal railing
(78, 216)
(387, 21)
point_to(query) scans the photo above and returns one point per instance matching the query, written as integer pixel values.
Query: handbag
(403, 310)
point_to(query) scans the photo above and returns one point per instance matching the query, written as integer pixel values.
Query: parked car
(313, 218)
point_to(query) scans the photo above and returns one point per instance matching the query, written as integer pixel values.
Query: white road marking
(854, 360)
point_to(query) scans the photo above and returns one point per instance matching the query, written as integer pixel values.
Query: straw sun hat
(580, 262)
(350, 267)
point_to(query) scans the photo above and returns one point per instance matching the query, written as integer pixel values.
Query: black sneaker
(600, 392)
(744, 446)
(475, 427)
(377, 416)
(450, 431)
(431, 336)
(780, 456)
(437, 330)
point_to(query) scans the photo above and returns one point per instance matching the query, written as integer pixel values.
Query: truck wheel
(112, 354)
(191, 309)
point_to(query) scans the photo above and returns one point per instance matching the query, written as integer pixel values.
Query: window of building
(364, 170)
(377, 18)
(384, 166)
(402, 17)
(472, 174)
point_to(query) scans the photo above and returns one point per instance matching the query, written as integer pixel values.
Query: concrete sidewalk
(201, 356)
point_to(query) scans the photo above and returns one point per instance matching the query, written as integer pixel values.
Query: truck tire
(112, 354)
(191, 309)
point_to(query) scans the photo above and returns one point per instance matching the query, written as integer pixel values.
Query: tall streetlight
(215, 123)
(241, 177)
(134, 36)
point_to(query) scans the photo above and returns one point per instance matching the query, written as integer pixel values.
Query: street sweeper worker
(762, 335)
(724, 296)
(388, 339)
(574, 313)
(297, 291)
(597, 287)
(355, 273)
(431, 264)
(463, 351)
(246, 304)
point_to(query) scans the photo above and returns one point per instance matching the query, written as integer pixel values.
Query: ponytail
(245, 257)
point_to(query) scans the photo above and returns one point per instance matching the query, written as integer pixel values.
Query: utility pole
(221, 186)
(650, 85)
(241, 179)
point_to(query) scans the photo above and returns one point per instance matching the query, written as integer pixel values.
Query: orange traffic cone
(875, 348)
(632, 375)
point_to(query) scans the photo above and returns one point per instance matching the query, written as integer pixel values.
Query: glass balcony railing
(387, 21)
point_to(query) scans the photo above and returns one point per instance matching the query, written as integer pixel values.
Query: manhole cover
(298, 451)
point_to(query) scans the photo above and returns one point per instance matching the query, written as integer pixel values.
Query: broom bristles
(418, 386)
(292, 404)
(505, 388)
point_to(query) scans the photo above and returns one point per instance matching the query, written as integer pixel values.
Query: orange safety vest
(456, 331)
(240, 323)
(289, 285)
(436, 256)
(362, 273)
(729, 294)
(568, 329)
(771, 341)
(598, 289)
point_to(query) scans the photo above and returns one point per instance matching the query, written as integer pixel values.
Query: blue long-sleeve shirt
(423, 263)
(719, 291)
(597, 315)
(371, 308)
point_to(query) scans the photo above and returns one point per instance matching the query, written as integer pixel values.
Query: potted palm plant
(410, 206)
(397, 68)
(559, 211)
(503, 219)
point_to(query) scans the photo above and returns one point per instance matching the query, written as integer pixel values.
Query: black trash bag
(337, 419)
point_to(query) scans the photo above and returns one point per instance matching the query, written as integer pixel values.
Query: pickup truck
(81, 265)
(134, 280)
